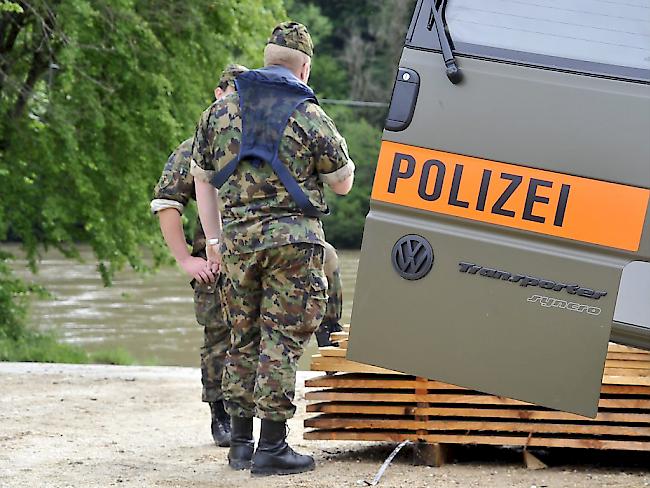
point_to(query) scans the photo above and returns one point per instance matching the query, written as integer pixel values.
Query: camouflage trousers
(274, 299)
(216, 339)
(334, 310)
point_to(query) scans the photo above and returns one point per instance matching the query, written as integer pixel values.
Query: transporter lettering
(526, 281)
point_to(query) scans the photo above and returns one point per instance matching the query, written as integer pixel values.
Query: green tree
(94, 94)
(358, 45)
(344, 228)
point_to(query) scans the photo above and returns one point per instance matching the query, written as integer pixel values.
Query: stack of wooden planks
(364, 402)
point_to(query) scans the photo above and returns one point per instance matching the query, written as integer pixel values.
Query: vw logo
(412, 257)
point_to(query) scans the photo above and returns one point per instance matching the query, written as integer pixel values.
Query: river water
(151, 316)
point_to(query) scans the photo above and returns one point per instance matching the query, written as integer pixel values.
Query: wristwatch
(213, 242)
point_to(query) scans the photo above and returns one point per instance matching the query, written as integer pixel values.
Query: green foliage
(93, 97)
(356, 54)
(7, 6)
(344, 228)
(41, 348)
(45, 348)
(14, 295)
(117, 356)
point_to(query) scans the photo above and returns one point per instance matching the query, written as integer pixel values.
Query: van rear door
(509, 211)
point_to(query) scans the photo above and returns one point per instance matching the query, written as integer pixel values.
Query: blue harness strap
(266, 102)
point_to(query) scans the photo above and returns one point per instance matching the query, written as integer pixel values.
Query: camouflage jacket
(175, 189)
(257, 211)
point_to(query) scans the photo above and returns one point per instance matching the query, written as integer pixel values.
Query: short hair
(285, 56)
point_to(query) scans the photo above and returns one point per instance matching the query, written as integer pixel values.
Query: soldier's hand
(214, 258)
(198, 269)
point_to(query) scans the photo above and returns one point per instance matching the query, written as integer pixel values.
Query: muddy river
(151, 316)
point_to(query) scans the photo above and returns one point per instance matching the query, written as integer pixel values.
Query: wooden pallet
(368, 403)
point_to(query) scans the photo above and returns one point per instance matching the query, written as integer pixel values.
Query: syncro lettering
(512, 195)
(549, 302)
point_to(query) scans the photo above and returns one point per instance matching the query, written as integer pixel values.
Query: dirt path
(99, 426)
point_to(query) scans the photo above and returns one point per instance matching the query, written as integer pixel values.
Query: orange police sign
(555, 204)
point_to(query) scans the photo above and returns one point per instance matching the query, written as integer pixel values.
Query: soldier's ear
(218, 93)
(305, 72)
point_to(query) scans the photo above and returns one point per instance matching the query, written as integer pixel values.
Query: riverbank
(98, 426)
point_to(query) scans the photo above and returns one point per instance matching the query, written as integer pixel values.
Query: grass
(20, 343)
(40, 347)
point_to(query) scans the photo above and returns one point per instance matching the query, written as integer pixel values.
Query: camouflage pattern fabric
(275, 300)
(230, 74)
(216, 339)
(258, 212)
(334, 310)
(176, 185)
(294, 36)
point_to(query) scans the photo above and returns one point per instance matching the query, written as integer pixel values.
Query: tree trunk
(10, 26)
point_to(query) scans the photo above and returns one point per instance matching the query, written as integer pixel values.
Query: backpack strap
(266, 103)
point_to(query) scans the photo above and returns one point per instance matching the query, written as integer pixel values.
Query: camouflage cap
(293, 35)
(229, 74)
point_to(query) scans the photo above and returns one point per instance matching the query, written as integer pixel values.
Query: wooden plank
(421, 393)
(398, 381)
(615, 376)
(626, 380)
(532, 462)
(360, 381)
(626, 389)
(525, 440)
(614, 363)
(424, 427)
(434, 455)
(361, 396)
(320, 363)
(360, 408)
(339, 336)
(629, 372)
(626, 349)
(487, 413)
(626, 356)
(330, 351)
(376, 382)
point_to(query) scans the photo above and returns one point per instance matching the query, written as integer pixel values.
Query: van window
(607, 32)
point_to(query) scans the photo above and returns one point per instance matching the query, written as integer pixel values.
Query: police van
(508, 239)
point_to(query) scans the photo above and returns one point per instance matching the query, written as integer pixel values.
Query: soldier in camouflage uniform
(174, 191)
(334, 311)
(271, 251)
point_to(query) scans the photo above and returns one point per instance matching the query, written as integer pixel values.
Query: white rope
(384, 466)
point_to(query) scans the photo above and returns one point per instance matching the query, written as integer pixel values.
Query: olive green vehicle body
(488, 334)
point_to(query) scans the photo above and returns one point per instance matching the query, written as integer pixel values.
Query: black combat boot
(241, 443)
(273, 454)
(325, 328)
(220, 424)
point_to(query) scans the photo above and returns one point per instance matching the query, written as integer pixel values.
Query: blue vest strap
(266, 102)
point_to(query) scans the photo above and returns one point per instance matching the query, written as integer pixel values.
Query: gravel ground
(99, 426)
